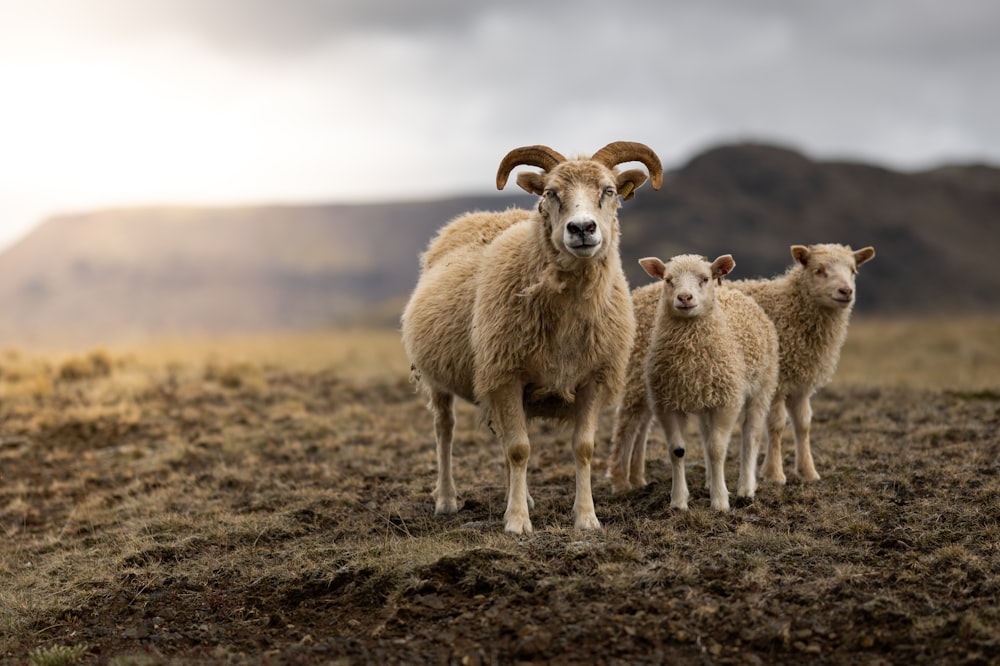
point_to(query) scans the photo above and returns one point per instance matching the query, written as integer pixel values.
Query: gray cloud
(430, 94)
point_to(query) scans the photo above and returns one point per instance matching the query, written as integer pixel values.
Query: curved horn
(537, 156)
(618, 152)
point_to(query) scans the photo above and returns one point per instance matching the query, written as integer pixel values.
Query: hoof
(444, 506)
(515, 526)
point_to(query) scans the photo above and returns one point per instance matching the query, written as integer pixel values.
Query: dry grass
(961, 354)
(267, 500)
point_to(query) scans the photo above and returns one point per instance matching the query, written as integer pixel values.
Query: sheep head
(579, 201)
(688, 282)
(829, 272)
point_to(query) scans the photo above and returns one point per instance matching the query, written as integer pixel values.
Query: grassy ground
(267, 500)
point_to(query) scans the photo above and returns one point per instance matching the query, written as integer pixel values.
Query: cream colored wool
(711, 364)
(810, 305)
(507, 314)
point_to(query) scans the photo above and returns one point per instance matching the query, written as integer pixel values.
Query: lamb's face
(830, 272)
(688, 282)
(580, 204)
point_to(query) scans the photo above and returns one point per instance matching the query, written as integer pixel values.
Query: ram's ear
(629, 181)
(863, 255)
(654, 267)
(531, 182)
(723, 266)
(801, 254)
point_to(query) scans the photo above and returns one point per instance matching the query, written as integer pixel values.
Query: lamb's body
(810, 306)
(711, 359)
(528, 314)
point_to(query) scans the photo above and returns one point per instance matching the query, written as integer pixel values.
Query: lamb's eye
(609, 191)
(821, 272)
(704, 280)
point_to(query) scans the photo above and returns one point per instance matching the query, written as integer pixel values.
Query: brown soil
(250, 514)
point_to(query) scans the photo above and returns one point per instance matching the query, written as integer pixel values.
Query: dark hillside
(754, 201)
(126, 274)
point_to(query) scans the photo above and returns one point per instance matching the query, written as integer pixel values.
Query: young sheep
(700, 350)
(810, 306)
(528, 314)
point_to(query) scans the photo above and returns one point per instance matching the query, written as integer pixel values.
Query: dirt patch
(260, 515)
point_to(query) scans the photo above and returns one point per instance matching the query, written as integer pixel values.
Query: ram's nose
(581, 227)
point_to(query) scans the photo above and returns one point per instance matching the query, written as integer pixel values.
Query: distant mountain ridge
(119, 275)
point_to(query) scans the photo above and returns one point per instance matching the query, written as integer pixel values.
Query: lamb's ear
(654, 267)
(801, 254)
(863, 255)
(629, 181)
(722, 266)
(531, 182)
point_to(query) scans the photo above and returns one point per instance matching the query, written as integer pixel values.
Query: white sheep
(528, 314)
(811, 306)
(700, 350)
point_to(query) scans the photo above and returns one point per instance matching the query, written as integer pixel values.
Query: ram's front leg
(507, 412)
(586, 407)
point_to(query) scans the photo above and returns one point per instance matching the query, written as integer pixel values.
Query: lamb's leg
(720, 429)
(443, 406)
(753, 426)
(507, 412)
(773, 468)
(585, 407)
(621, 450)
(637, 470)
(801, 413)
(705, 430)
(672, 430)
(630, 425)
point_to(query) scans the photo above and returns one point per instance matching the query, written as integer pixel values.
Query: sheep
(700, 350)
(810, 305)
(527, 314)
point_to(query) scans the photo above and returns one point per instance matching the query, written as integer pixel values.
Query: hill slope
(754, 201)
(128, 274)
(124, 274)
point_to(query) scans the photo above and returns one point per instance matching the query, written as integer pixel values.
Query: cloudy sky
(129, 102)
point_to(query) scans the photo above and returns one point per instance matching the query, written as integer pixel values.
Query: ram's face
(580, 205)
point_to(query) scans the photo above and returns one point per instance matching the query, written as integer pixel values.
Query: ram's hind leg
(443, 406)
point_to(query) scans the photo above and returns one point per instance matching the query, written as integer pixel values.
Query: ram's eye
(609, 191)
(704, 280)
(820, 272)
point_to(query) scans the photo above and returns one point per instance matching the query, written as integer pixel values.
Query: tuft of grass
(97, 363)
(57, 655)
